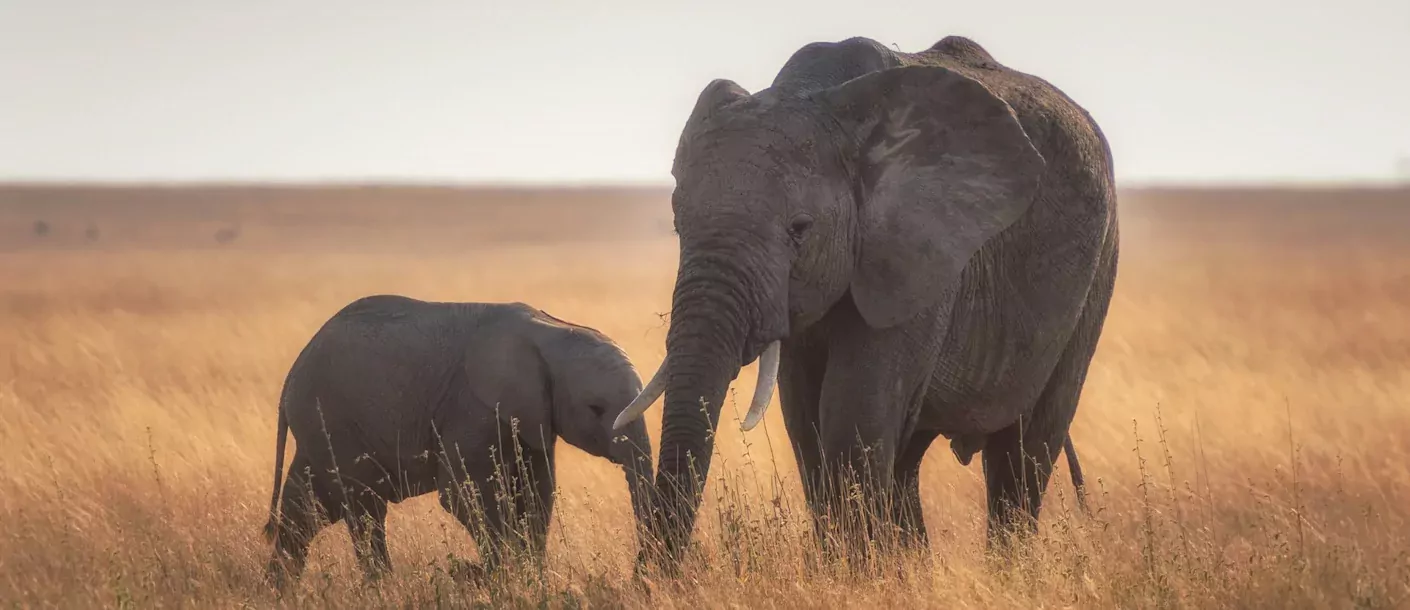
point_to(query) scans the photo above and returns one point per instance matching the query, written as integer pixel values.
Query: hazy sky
(598, 90)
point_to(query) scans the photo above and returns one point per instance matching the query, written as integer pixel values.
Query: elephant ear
(718, 94)
(507, 373)
(944, 166)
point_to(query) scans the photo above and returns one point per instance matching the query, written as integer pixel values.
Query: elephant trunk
(632, 449)
(704, 347)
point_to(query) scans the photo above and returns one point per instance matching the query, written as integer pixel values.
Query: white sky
(556, 91)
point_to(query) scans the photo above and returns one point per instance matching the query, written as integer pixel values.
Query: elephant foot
(642, 582)
(643, 563)
(374, 577)
(466, 572)
(278, 576)
(1007, 544)
(662, 557)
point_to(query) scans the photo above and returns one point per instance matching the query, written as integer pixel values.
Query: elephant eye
(799, 225)
(597, 410)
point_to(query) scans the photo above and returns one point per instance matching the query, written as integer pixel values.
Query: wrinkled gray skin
(933, 238)
(404, 391)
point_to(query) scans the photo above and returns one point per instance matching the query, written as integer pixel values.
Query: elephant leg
(534, 503)
(367, 525)
(875, 380)
(906, 510)
(1018, 460)
(465, 482)
(800, 388)
(504, 503)
(307, 505)
(518, 522)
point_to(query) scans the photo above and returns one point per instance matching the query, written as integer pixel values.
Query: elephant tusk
(643, 401)
(768, 377)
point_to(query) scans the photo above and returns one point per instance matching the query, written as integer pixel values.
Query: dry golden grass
(1244, 425)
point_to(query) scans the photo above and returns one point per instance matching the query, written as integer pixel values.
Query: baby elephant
(394, 397)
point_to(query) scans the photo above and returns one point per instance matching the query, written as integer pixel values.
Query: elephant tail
(1078, 482)
(271, 528)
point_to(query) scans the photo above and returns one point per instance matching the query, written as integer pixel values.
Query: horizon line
(516, 184)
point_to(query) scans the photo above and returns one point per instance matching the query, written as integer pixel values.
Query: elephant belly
(392, 476)
(967, 425)
(992, 368)
(374, 459)
(408, 477)
(967, 402)
(952, 420)
(955, 408)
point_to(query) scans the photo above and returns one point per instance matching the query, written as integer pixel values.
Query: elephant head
(589, 379)
(881, 188)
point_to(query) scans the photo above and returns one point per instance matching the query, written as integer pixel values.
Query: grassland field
(1245, 426)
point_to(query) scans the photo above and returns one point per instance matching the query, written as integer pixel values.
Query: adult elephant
(912, 245)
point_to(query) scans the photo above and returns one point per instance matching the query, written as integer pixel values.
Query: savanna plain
(1244, 430)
